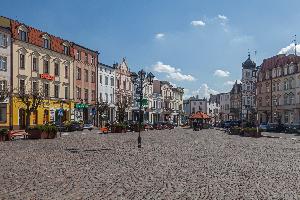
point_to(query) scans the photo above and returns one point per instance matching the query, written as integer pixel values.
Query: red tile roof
(35, 38)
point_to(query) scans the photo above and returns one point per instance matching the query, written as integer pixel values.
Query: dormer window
(78, 55)
(46, 40)
(46, 44)
(92, 61)
(66, 50)
(23, 36)
(23, 33)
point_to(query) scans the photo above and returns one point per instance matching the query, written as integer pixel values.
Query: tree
(102, 108)
(31, 99)
(122, 105)
(4, 92)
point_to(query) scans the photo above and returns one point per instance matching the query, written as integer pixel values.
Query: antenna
(295, 42)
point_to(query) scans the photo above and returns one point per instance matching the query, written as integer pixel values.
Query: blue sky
(184, 42)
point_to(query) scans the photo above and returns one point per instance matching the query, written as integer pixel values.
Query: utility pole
(295, 43)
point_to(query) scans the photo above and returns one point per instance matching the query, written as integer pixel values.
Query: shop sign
(81, 105)
(47, 76)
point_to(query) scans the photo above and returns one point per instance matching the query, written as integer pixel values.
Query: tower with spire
(248, 88)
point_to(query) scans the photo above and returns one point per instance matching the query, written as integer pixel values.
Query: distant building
(278, 90)
(224, 106)
(5, 70)
(106, 88)
(248, 88)
(235, 101)
(213, 108)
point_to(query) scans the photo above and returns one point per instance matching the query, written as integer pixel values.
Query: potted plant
(37, 132)
(118, 128)
(235, 130)
(52, 131)
(252, 132)
(3, 134)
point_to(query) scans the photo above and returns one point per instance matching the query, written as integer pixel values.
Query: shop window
(3, 113)
(34, 117)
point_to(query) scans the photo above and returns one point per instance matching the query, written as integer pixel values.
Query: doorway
(22, 119)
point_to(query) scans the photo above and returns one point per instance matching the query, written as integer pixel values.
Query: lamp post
(138, 80)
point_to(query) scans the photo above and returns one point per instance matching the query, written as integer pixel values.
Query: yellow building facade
(41, 62)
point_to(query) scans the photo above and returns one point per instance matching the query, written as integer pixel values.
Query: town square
(172, 164)
(143, 99)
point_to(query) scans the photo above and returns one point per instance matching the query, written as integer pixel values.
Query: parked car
(60, 127)
(75, 126)
(275, 127)
(158, 126)
(292, 128)
(88, 126)
(264, 127)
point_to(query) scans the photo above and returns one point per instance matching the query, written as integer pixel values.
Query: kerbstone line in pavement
(172, 164)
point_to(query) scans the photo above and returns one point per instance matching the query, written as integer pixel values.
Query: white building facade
(248, 87)
(106, 88)
(224, 106)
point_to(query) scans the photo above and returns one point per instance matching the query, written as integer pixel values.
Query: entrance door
(22, 120)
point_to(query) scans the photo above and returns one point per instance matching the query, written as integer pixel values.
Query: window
(86, 75)
(23, 36)
(286, 85)
(86, 58)
(66, 72)
(274, 87)
(118, 83)
(46, 66)
(35, 64)
(22, 61)
(291, 69)
(112, 81)
(286, 117)
(3, 40)
(124, 85)
(3, 63)
(285, 100)
(34, 117)
(78, 55)
(285, 71)
(106, 80)
(56, 91)
(100, 95)
(66, 50)
(66, 92)
(46, 43)
(22, 85)
(100, 79)
(106, 97)
(3, 112)
(35, 86)
(3, 85)
(86, 94)
(78, 92)
(46, 89)
(93, 95)
(93, 77)
(278, 87)
(78, 73)
(92, 60)
(56, 69)
(111, 98)
(290, 85)
(291, 99)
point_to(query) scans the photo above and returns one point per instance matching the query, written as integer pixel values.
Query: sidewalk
(291, 136)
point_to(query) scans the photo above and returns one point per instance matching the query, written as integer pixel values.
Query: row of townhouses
(239, 102)
(73, 81)
(269, 93)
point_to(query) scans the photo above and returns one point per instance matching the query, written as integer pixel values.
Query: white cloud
(160, 36)
(222, 17)
(290, 49)
(221, 73)
(172, 72)
(232, 82)
(198, 23)
(204, 91)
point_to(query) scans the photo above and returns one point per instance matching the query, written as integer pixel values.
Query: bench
(18, 133)
(104, 130)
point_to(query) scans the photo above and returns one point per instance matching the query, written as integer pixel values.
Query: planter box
(52, 135)
(34, 134)
(252, 134)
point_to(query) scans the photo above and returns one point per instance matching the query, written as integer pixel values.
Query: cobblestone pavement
(173, 164)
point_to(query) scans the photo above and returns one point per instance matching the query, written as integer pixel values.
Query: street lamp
(138, 80)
